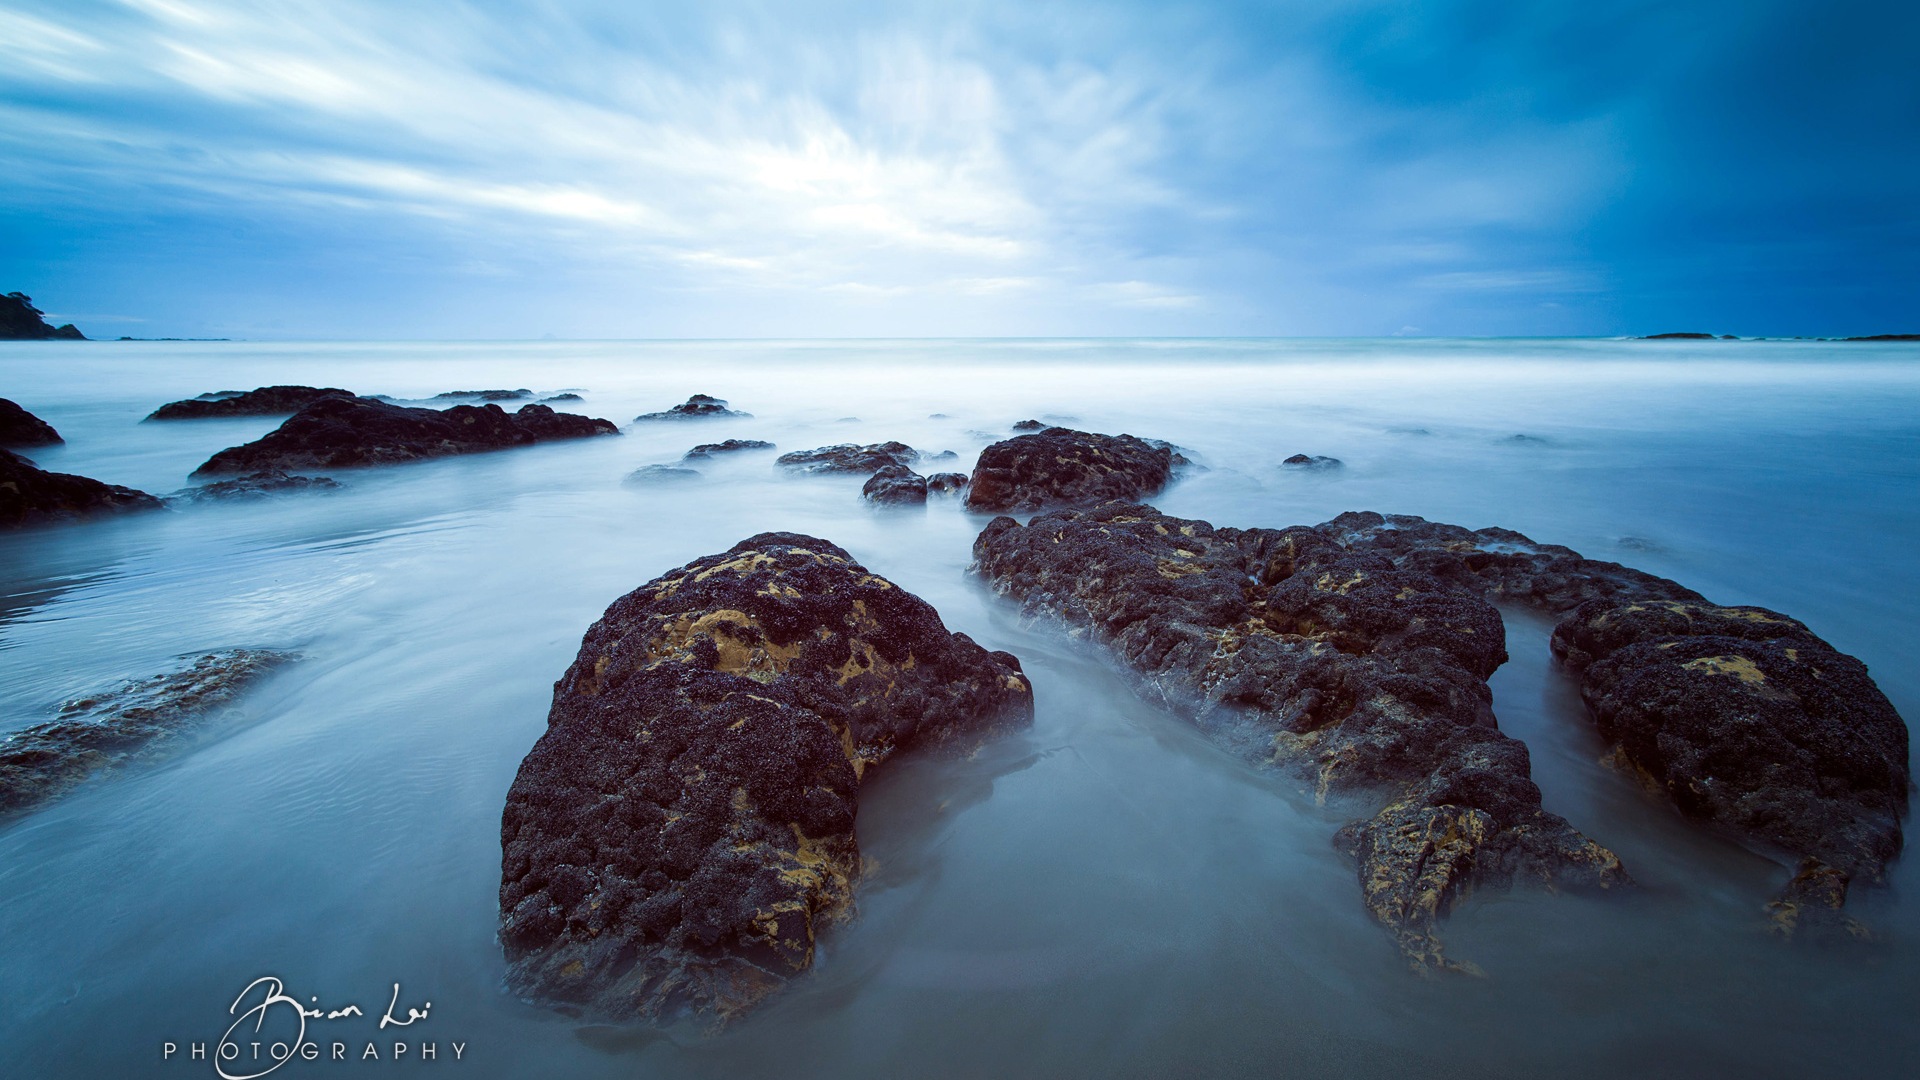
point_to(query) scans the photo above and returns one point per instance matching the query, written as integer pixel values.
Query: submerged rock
(1331, 663)
(730, 446)
(942, 483)
(895, 485)
(1029, 425)
(1063, 467)
(265, 401)
(568, 396)
(254, 487)
(32, 496)
(661, 474)
(139, 721)
(683, 831)
(21, 321)
(1750, 722)
(850, 458)
(335, 433)
(18, 427)
(697, 407)
(1302, 461)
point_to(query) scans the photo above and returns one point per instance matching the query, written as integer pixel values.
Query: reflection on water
(1107, 894)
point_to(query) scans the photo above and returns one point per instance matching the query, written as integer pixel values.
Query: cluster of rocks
(680, 835)
(140, 721)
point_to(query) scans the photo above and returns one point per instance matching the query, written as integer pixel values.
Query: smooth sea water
(1105, 895)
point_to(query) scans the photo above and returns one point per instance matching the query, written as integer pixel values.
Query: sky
(530, 168)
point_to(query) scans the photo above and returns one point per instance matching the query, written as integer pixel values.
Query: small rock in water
(569, 396)
(707, 450)
(661, 474)
(850, 458)
(1302, 461)
(697, 407)
(1029, 425)
(139, 721)
(946, 482)
(1063, 467)
(944, 455)
(484, 395)
(255, 486)
(18, 427)
(896, 485)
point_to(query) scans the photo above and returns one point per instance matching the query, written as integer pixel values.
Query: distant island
(21, 321)
(1691, 336)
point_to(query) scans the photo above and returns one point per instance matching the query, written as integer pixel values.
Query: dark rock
(1885, 337)
(563, 397)
(254, 487)
(336, 432)
(896, 485)
(21, 321)
(1750, 722)
(1180, 459)
(707, 450)
(697, 407)
(850, 458)
(1029, 425)
(18, 427)
(942, 483)
(684, 830)
(137, 722)
(1331, 663)
(1679, 337)
(1302, 461)
(1499, 563)
(661, 474)
(485, 395)
(1063, 467)
(33, 496)
(266, 401)
(944, 455)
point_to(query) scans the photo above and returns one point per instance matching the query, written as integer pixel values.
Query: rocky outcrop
(21, 321)
(336, 433)
(697, 407)
(1063, 467)
(730, 446)
(139, 721)
(265, 401)
(895, 485)
(850, 458)
(1329, 662)
(18, 427)
(487, 395)
(254, 487)
(947, 482)
(33, 496)
(648, 475)
(1745, 718)
(1314, 461)
(1750, 722)
(684, 830)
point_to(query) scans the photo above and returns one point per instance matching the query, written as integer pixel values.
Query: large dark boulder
(683, 831)
(1752, 723)
(697, 407)
(895, 485)
(21, 321)
(18, 427)
(33, 496)
(850, 458)
(1063, 467)
(139, 721)
(265, 401)
(335, 433)
(1333, 664)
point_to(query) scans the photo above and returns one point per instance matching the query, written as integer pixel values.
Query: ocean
(1105, 895)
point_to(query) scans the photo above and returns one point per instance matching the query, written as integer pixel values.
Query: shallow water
(1105, 895)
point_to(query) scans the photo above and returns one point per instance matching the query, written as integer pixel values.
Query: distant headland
(21, 321)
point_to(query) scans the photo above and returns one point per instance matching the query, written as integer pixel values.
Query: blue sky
(358, 169)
